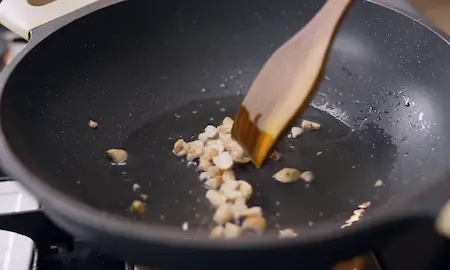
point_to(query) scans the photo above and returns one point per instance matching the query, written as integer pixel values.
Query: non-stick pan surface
(138, 68)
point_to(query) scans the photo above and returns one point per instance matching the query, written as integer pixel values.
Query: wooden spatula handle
(437, 11)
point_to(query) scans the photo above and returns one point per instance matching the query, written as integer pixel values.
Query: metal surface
(15, 249)
(382, 105)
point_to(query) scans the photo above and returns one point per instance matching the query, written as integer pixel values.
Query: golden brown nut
(137, 207)
(217, 232)
(93, 124)
(223, 214)
(245, 189)
(180, 148)
(309, 125)
(232, 231)
(287, 175)
(256, 223)
(287, 233)
(117, 155)
(215, 198)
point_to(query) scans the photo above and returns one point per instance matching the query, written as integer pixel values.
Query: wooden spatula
(436, 11)
(286, 84)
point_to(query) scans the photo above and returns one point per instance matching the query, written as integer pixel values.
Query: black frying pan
(133, 66)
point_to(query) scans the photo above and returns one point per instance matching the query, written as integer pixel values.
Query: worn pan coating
(136, 66)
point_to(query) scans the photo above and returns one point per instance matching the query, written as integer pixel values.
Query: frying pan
(135, 66)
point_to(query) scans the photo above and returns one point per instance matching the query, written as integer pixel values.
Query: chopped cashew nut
(196, 143)
(232, 195)
(228, 175)
(357, 214)
(229, 185)
(214, 171)
(245, 189)
(307, 176)
(242, 160)
(364, 205)
(378, 183)
(232, 231)
(287, 175)
(223, 161)
(211, 151)
(195, 152)
(215, 198)
(308, 125)
(287, 233)
(117, 155)
(211, 131)
(137, 207)
(204, 163)
(217, 232)
(239, 208)
(180, 148)
(235, 150)
(256, 223)
(252, 211)
(93, 124)
(296, 131)
(217, 152)
(228, 122)
(225, 137)
(185, 226)
(203, 137)
(214, 183)
(223, 214)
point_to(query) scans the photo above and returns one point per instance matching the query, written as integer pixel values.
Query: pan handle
(21, 16)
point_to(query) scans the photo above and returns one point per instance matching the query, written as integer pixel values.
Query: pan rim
(167, 235)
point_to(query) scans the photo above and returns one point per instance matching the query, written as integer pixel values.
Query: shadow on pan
(381, 105)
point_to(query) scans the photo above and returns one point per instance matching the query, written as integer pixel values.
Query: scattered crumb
(177, 116)
(144, 196)
(222, 109)
(185, 226)
(287, 175)
(275, 155)
(93, 124)
(364, 205)
(378, 183)
(203, 90)
(319, 153)
(296, 131)
(307, 176)
(136, 186)
(309, 125)
(117, 155)
(287, 233)
(357, 214)
(137, 207)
